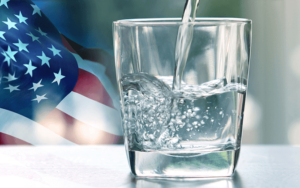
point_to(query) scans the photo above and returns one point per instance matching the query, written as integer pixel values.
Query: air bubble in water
(182, 125)
(195, 123)
(196, 109)
(178, 121)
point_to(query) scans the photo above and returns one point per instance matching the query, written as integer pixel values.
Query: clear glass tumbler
(190, 130)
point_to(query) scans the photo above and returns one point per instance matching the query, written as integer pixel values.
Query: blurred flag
(52, 90)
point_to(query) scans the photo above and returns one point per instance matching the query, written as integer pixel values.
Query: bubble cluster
(156, 118)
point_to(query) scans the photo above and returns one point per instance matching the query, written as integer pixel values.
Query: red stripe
(89, 86)
(77, 131)
(6, 139)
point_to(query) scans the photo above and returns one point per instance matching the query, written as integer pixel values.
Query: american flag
(52, 90)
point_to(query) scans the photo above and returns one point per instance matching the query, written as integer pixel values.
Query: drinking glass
(193, 130)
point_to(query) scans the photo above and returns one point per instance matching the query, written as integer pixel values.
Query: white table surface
(106, 166)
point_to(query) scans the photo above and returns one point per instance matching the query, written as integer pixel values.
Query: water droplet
(197, 117)
(189, 111)
(183, 117)
(202, 122)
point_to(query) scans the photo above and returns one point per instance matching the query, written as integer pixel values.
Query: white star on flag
(36, 9)
(39, 98)
(21, 46)
(36, 85)
(1, 35)
(45, 59)
(34, 38)
(4, 2)
(10, 24)
(21, 18)
(58, 77)
(30, 68)
(12, 88)
(10, 77)
(11, 54)
(41, 32)
(7, 58)
(55, 51)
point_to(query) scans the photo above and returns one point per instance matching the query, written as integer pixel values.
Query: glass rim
(177, 21)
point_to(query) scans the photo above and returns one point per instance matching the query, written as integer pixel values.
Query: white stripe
(28, 130)
(92, 113)
(99, 71)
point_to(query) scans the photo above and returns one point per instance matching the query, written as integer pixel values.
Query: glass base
(184, 165)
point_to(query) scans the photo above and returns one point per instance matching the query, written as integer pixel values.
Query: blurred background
(272, 114)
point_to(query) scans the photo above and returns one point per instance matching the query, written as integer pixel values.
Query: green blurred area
(89, 22)
(219, 8)
(108, 11)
